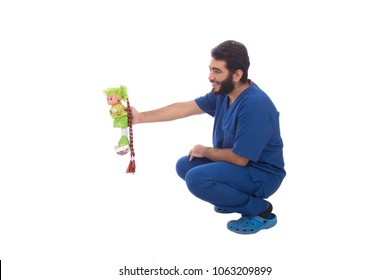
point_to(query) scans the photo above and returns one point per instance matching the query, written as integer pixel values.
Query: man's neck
(238, 89)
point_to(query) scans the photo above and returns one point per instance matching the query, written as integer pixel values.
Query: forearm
(226, 155)
(171, 112)
(213, 154)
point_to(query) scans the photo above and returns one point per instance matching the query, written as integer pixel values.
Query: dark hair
(235, 55)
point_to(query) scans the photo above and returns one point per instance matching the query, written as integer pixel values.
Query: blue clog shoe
(251, 224)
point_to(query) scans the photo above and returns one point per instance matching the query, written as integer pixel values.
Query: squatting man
(245, 166)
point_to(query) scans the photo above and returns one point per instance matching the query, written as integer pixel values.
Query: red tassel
(131, 167)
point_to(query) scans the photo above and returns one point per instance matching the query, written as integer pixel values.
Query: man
(245, 165)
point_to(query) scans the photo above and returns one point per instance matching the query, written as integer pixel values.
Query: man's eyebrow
(215, 68)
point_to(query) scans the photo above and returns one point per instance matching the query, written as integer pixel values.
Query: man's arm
(226, 155)
(168, 113)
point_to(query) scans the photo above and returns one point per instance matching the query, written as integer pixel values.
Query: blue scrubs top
(250, 127)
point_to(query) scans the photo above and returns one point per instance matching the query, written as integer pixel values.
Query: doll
(119, 114)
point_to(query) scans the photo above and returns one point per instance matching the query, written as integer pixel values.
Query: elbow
(242, 162)
(239, 160)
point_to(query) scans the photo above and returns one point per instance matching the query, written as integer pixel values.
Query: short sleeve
(207, 103)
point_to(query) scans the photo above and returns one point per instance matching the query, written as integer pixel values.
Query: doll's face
(113, 100)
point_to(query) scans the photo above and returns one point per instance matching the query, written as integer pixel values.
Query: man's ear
(237, 75)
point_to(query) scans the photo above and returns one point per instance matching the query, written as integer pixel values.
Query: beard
(226, 86)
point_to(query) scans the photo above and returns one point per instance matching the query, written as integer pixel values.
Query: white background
(68, 210)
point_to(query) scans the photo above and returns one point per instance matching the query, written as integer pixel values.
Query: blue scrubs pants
(226, 185)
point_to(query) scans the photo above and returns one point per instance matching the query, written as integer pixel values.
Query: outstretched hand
(134, 114)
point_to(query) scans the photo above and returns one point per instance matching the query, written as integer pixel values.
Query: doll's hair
(120, 92)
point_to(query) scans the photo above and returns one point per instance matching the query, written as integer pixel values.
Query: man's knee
(198, 182)
(182, 167)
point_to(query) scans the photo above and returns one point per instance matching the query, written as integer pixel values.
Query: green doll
(120, 116)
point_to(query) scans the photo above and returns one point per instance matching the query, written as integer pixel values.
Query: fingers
(135, 115)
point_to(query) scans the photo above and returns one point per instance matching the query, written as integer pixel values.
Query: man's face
(220, 78)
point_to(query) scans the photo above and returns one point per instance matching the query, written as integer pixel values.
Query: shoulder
(256, 96)
(257, 104)
(210, 99)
